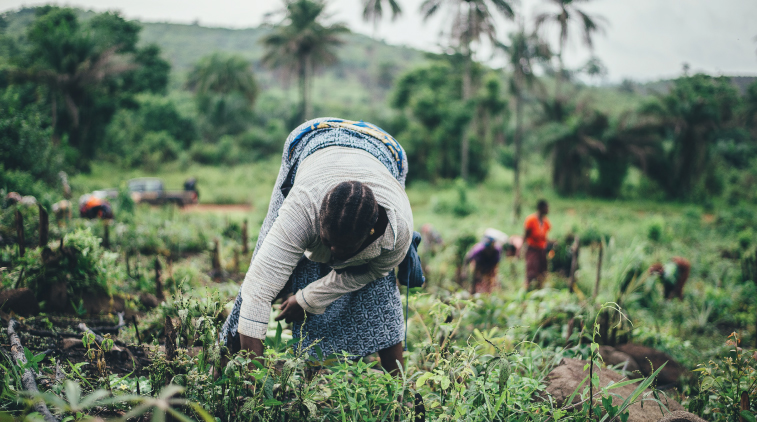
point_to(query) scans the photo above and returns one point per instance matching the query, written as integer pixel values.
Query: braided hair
(349, 211)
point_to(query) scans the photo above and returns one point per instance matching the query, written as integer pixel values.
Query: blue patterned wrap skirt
(361, 322)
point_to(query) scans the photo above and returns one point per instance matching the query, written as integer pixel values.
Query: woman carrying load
(338, 224)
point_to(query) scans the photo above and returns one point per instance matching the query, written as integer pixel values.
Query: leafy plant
(727, 388)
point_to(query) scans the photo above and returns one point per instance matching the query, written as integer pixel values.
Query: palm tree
(523, 52)
(301, 44)
(225, 92)
(221, 74)
(629, 139)
(572, 134)
(472, 20)
(567, 12)
(373, 11)
(75, 69)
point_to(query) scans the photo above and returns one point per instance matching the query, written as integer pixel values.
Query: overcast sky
(645, 39)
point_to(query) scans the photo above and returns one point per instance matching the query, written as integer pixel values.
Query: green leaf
(569, 401)
(422, 379)
(279, 330)
(206, 417)
(445, 383)
(747, 415)
(640, 389)
(318, 352)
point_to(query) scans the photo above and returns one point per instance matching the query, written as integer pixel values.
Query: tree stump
(20, 234)
(245, 239)
(158, 283)
(44, 226)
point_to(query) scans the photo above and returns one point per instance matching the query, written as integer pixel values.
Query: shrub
(745, 238)
(81, 264)
(725, 383)
(655, 230)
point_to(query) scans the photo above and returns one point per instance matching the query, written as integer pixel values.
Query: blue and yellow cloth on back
(361, 127)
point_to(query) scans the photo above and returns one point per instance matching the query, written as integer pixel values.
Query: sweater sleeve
(318, 295)
(274, 262)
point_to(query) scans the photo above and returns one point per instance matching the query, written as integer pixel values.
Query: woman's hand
(291, 311)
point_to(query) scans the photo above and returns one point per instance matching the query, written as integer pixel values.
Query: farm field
(581, 176)
(450, 332)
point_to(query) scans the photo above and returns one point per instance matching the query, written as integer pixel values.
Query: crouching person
(338, 223)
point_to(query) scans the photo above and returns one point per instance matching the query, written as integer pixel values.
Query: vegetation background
(642, 172)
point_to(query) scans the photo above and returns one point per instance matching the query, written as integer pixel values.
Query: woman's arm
(273, 265)
(318, 295)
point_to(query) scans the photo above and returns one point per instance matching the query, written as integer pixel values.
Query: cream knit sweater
(296, 232)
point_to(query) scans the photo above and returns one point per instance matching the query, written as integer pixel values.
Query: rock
(149, 300)
(613, 357)
(19, 301)
(69, 342)
(650, 359)
(566, 377)
(681, 416)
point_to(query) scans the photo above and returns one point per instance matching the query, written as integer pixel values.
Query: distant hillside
(663, 86)
(183, 45)
(363, 62)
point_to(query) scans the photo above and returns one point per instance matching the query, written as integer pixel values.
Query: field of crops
(170, 275)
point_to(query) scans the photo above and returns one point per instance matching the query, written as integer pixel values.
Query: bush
(655, 230)
(156, 148)
(746, 237)
(259, 143)
(724, 383)
(506, 156)
(82, 265)
(152, 134)
(224, 152)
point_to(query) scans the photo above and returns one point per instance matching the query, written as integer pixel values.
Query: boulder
(681, 416)
(613, 357)
(19, 301)
(650, 359)
(566, 377)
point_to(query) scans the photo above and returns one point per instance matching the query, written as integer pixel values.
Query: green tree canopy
(225, 92)
(691, 117)
(88, 70)
(433, 119)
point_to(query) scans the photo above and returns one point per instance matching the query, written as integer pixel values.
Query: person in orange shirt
(537, 226)
(94, 207)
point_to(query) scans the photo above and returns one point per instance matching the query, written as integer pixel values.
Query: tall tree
(524, 51)
(88, 69)
(572, 135)
(566, 13)
(225, 92)
(433, 117)
(373, 11)
(692, 116)
(472, 21)
(303, 43)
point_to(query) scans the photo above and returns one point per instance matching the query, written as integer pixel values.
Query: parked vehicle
(150, 190)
